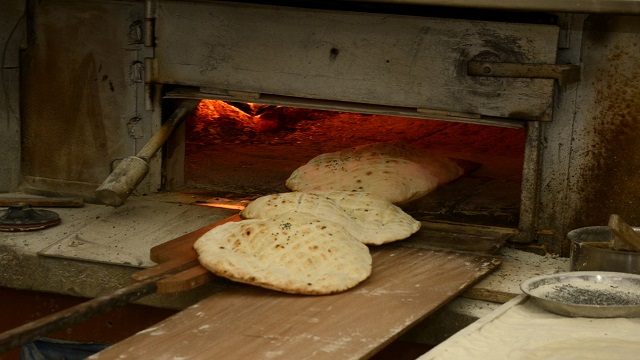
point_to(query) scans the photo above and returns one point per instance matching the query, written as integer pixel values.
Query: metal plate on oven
(594, 294)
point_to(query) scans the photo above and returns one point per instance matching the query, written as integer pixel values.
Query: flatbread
(294, 252)
(370, 219)
(397, 173)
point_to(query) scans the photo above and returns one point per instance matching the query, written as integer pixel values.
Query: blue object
(51, 349)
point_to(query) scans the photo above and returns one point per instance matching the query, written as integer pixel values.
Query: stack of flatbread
(294, 252)
(314, 240)
(397, 173)
(369, 219)
(304, 243)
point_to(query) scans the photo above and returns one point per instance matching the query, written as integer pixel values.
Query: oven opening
(235, 152)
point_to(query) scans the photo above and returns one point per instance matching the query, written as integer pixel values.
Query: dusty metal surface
(565, 74)
(80, 96)
(385, 59)
(591, 159)
(611, 143)
(589, 156)
(12, 35)
(589, 6)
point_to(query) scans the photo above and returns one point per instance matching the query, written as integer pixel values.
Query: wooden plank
(177, 256)
(179, 263)
(352, 57)
(247, 322)
(459, 237)
(626, 237)
(183, 245)
(185, 280)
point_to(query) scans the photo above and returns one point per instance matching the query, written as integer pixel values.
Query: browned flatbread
(371, 220)
(294, 252)
(396, 173)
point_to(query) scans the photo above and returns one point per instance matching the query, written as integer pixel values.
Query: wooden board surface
(247, 322)
(183, 245)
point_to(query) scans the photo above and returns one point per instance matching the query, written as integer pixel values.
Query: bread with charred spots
(294, 253)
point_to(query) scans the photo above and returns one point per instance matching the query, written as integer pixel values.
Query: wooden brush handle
(626, 238)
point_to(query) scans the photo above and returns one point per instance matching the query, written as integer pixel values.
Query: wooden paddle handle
(184, 244)
(169, 267)
(183, 273)
(186, 280)
(626, 238)
(178, 260)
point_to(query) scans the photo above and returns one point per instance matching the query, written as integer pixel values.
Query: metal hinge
(149, 43)
(565, 74)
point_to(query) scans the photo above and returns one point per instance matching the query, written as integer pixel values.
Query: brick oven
(564, 77)
(542, 96)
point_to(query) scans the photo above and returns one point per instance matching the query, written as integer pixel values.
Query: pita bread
(396, 173)
(295, 253)
(371, 220)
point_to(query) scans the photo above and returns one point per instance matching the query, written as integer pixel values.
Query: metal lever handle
(565, 74)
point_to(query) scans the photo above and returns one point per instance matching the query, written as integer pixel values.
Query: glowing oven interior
(238, 151)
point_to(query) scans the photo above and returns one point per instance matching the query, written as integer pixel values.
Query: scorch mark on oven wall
(610, 103)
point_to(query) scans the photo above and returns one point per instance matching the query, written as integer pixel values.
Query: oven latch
(565, 74)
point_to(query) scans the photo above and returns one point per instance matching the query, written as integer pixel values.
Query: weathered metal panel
(382, 59)
(586, 6)
(83, 106)
(590, 155)
(12, 34)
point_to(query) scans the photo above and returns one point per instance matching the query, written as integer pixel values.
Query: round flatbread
(370, 219)
(396, 173)
(295, 253)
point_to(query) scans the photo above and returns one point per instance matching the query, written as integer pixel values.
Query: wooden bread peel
(407, 285)
(179, 258)
(248, 322)
(625, 238)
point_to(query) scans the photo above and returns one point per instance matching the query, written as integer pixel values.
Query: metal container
(590, 252)
(595, 294)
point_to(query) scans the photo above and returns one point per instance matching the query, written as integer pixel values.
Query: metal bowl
(594, 294)
(590, 252)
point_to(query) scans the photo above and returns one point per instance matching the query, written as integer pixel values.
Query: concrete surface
(69, 259)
